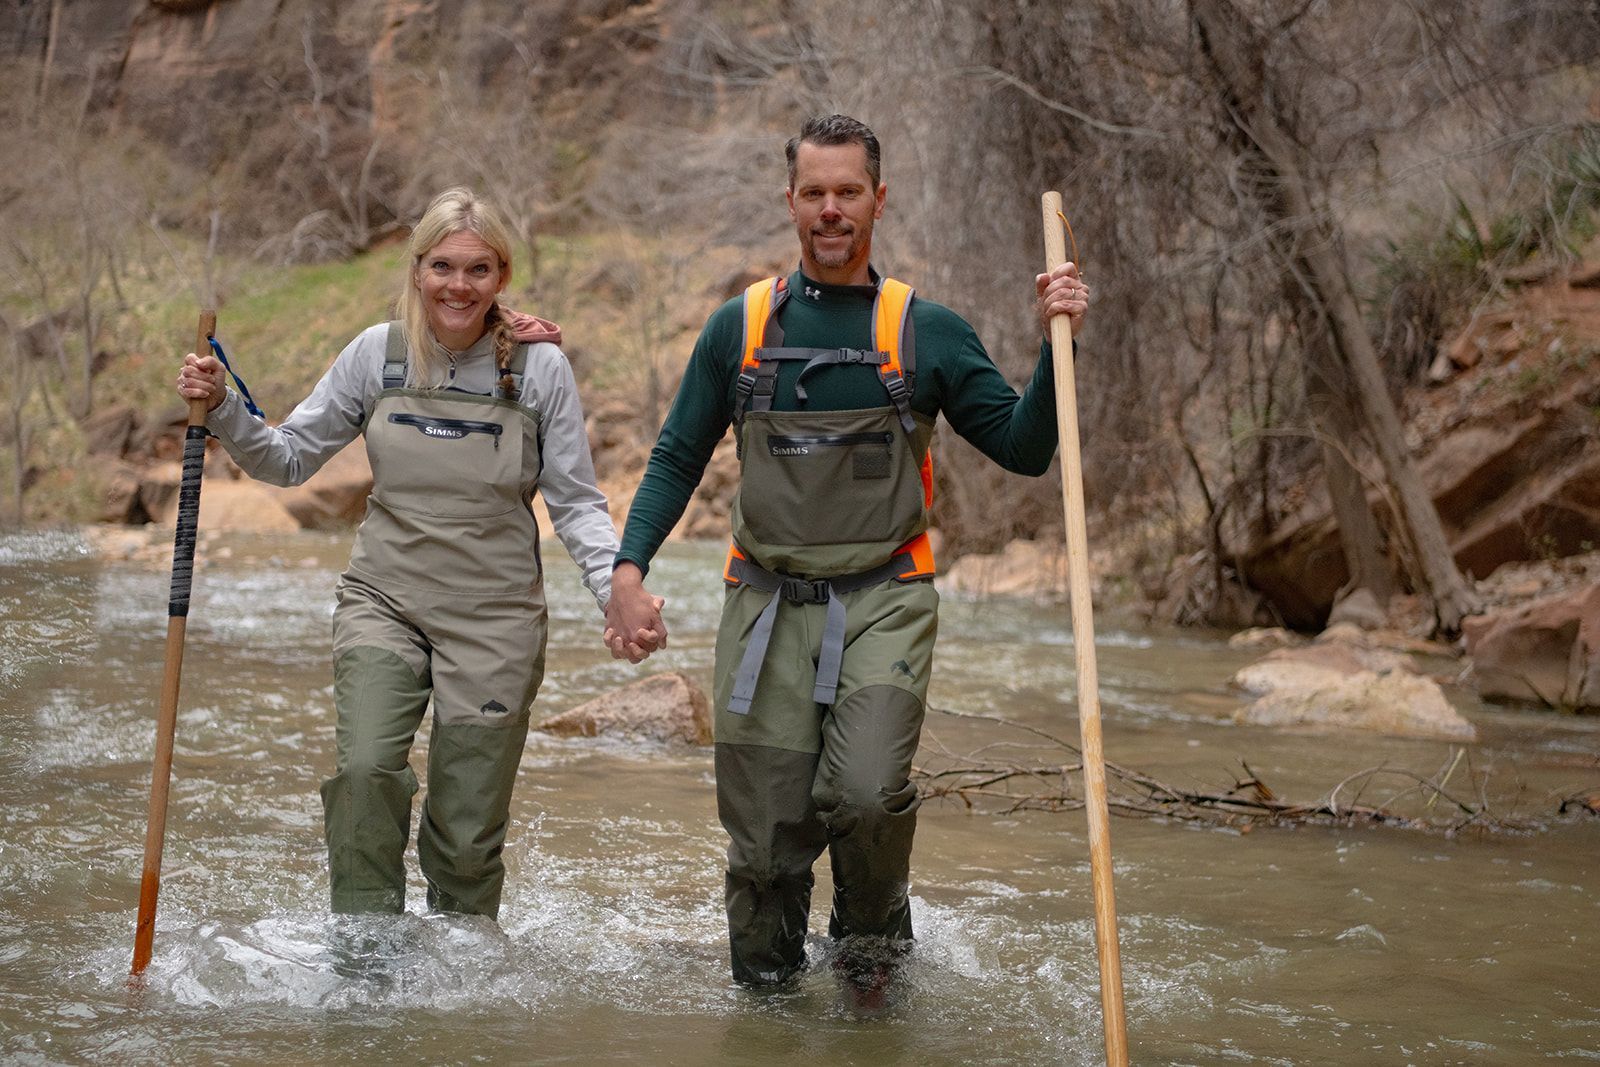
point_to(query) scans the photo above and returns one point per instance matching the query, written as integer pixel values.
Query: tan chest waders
(826, 642)
(443, 599)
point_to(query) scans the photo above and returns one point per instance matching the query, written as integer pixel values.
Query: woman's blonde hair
(456, 210)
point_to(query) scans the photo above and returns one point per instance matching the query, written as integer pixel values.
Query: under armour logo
(494, 707)
(813, 292)
(900, 666)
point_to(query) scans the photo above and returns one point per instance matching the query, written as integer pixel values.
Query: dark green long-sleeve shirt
(954, 375)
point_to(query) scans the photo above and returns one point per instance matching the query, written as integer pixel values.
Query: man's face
(833, 205)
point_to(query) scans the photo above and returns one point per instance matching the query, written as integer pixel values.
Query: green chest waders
(826, 643)
(443, 598)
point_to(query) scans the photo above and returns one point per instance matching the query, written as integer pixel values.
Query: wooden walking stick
(1094, 765)
(155, 835)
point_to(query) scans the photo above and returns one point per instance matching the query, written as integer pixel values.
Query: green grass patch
(630, 307)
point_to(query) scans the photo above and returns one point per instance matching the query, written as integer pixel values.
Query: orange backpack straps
(891, 330)
(893, 334)
(759, 303)
(757, 378)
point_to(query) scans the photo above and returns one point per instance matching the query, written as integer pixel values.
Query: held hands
(1061, 292)
(634, 627)
(202, 379)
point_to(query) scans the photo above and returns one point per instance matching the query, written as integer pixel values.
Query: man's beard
(841, 258)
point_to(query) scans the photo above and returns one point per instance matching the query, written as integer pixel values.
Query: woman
(443, 596)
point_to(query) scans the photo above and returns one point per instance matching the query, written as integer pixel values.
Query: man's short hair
(835, 130)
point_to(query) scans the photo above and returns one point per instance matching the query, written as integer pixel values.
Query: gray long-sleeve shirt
(331, 417)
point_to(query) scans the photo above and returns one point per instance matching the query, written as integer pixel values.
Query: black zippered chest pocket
(448, 429)
(802, 444)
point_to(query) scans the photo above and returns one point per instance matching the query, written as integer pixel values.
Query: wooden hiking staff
(1094, 762)
(155, 835)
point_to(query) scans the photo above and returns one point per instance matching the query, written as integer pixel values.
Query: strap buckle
(900, 397)
(800, 591)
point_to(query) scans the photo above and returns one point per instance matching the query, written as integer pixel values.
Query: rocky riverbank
(1507, 434)
(1537, 643)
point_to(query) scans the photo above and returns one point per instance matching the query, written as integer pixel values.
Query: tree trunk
(86, 310)
(52, 35)
(1236, 54)
(1339, 426)
(19, 429)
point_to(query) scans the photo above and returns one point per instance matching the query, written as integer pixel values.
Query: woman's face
(458, 279)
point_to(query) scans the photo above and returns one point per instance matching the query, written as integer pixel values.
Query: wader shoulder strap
(394, 357)
(758, 376)
(830, 655)
(394, 364)
(893, 334)
(894, 331)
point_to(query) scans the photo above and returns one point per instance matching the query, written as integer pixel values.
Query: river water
(1309, 945)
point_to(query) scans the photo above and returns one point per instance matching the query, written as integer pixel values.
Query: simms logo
(788, 450)
(443, 431)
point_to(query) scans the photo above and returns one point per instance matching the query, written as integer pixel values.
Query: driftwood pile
(1409, 801)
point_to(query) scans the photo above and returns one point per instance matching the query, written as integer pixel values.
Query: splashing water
(1281, 947)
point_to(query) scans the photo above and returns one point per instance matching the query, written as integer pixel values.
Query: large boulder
(248, 506)
(334, 498)
(158, 490)
(1546, 651)
(1023, 568)
(119, 493)
(225, 504)
(667, 707)
(111, 431)
(1339, 684)
(1300, 570)
(1550, 509)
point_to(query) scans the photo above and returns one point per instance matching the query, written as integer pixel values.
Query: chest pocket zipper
(448, 429)
(801, 444)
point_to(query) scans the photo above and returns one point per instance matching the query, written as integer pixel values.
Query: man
(832, 378)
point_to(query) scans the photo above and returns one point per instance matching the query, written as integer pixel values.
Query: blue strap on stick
(244, 390)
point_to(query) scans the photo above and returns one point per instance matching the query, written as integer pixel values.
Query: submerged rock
(666, 707)
(1266, 637)
(1405, 705)
(141, 543)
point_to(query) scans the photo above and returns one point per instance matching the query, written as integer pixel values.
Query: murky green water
(1281, 946)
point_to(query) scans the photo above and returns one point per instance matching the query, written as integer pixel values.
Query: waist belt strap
(800, 591)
